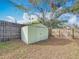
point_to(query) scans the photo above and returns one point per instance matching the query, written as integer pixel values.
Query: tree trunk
(50, 32)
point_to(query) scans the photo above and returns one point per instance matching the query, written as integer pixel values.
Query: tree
(56, 7)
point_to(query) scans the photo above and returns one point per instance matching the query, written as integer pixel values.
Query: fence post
(59, 32)
(73, 33)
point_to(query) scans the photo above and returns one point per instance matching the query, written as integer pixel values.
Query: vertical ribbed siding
(9, 31)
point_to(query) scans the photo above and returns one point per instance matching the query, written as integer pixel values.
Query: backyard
(59, 22)
(53, 48)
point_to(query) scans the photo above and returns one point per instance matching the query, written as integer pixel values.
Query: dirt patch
(52, 48)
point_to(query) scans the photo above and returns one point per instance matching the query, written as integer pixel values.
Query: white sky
(10, 19)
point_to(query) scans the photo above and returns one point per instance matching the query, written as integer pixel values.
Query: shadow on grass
(54, 41)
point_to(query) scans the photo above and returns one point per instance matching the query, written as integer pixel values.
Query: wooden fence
(9, 31)
(66, 33)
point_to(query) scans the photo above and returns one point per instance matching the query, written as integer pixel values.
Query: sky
(7, 10)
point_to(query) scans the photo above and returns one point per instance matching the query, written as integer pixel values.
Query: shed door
(32, 34)
(42, 33)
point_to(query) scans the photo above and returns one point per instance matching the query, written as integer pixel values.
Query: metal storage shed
(34, 33)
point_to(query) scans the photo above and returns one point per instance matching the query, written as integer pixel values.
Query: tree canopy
(56, 7)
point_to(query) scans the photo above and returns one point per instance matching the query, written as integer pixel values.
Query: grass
(4, 45)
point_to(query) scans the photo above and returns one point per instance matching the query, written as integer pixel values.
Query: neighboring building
(9, 31)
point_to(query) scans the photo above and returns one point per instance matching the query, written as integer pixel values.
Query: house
(9, 31)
